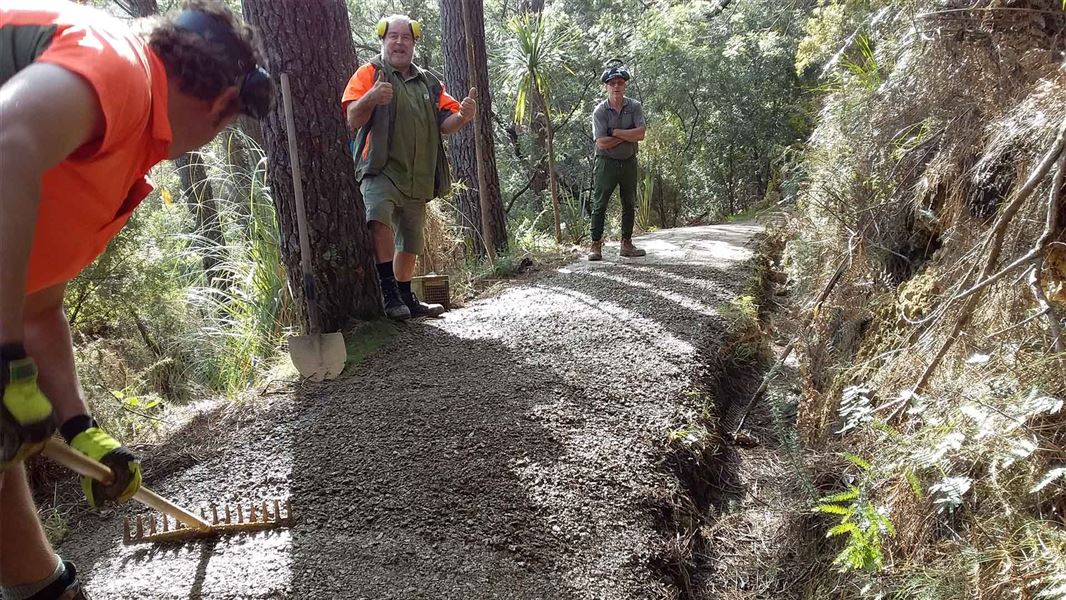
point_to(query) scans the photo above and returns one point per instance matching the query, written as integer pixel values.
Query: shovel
(316, 355)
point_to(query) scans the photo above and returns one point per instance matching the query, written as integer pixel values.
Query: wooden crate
(433, 289)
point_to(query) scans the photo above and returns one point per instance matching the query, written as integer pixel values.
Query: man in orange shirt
(400, 112)
(88, 107)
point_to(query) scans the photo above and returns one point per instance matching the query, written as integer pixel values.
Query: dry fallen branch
(1052, 318)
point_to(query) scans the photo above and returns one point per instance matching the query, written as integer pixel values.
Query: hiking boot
(628, 249)
(596, 251)
(395, 308)
(66, 587)
(421, 309)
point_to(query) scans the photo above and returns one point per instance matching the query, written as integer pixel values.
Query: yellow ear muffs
(383, 27)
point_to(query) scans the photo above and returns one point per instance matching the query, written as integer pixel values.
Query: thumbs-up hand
(382, 90)
(468, 107)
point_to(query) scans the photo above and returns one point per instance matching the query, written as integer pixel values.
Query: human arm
(635, 134)
(607, 142)
(457, 120)
(48, 113)
(364, 93)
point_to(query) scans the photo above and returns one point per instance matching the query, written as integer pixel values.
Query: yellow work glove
(101, 447)
(26, 420)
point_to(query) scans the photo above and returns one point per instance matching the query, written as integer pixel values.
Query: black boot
(66, 587)
(395, 308)
(419, 308)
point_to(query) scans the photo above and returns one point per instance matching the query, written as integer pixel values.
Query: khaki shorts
(406, 216)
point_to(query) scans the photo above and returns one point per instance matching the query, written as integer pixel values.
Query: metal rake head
(144, 528)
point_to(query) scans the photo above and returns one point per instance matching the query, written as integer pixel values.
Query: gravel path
(508, 450)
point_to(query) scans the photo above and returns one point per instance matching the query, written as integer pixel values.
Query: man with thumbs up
(400, 113)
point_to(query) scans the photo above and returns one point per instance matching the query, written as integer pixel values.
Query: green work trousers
(612, 173)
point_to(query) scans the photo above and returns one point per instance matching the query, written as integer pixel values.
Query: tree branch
(995, 244)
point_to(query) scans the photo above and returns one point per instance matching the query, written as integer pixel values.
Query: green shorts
(404, 215)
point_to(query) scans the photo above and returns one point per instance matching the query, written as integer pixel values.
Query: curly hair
(203, 68)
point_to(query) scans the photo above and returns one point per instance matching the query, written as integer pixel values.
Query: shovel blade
(318, 356)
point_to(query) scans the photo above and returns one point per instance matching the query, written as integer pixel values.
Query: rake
(144, 529)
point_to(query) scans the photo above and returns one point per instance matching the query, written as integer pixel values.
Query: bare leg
(384, 242)
(48, 342)
(404, 265)
(25, 556)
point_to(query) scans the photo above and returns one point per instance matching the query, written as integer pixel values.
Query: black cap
(619, 71)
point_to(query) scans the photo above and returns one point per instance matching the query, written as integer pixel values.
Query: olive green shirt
(414, 141)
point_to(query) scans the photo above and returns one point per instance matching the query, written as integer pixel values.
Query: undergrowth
(930, 216)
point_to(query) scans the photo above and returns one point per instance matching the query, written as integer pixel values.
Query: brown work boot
(419, 308)
(596, 251)
(628, 249)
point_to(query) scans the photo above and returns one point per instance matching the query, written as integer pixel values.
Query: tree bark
(311, 41)
(461, 144)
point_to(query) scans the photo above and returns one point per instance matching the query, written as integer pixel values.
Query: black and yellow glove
(82, 433)
(26, 419)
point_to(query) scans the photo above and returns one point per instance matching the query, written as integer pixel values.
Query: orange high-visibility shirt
(86, 199)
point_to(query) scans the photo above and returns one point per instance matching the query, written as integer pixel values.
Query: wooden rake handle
(87, 467)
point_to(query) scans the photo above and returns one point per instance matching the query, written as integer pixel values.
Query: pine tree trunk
(461, 144)
(311, 41)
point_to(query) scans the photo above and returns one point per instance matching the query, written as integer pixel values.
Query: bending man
(88, 108)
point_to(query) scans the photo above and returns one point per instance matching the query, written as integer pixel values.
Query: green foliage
(535, 60)
(243, 300)
(746, 343)
(168, 313)
(865, 524)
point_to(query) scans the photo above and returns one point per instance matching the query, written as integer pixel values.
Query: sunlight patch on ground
(485, 320)
(244, 566)
(699, 284)
(680, 299)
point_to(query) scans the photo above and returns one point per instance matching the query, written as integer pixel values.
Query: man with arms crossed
(617, 126)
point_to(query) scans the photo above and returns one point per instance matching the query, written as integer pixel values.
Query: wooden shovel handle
(301, 209)
(87, 467)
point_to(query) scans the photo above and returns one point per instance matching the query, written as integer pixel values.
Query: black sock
(405, 288)
(385, 272)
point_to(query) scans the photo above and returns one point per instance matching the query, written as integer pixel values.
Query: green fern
(861, 521)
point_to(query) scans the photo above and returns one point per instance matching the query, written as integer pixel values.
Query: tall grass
(243, 303)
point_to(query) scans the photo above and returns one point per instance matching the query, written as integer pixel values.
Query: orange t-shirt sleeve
(116, 73)
(447, 103)
(358, 85)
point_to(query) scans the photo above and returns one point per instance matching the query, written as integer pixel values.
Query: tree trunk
(539, 125)
(552, 184)
(461, 144)
(311, 41)
(199, 195)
